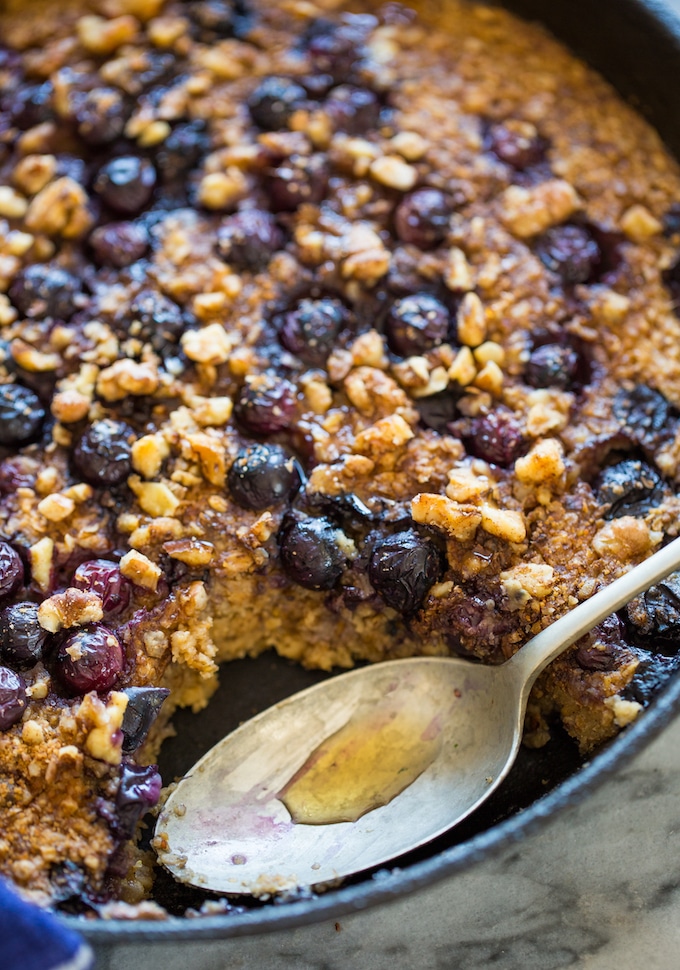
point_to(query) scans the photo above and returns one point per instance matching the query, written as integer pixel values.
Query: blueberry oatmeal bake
(347, 332)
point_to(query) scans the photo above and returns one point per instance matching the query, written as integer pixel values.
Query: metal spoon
(406, 748)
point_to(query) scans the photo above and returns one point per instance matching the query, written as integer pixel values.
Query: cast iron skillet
(636, 45)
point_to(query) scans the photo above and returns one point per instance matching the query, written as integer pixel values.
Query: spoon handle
(551, 642)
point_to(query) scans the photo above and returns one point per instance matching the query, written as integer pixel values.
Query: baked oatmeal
(347, 332)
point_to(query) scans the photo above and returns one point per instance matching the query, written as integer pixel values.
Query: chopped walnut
(394, 172)
(528, 211)
(458, 520)
(140, 570)
(73, 607)
(126, 377)
(384, 436)
(60, 209)
(193, 552)
(148, 454)
(12, 204)
(154, 498)
(627, 538)
(542, 464)
(103, 720)
(504, 523)
(32, 173)
(56, 507)
(211, 345)
(41, 555)
(471, 321)
(527, 580)
(639, 224)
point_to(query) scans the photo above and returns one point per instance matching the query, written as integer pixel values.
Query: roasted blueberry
(552, 365)
(653, 617)
(91, 658)
(102, 455)
(248, 239)
(182, 150)
(31, 105)
(311, 328)
(266, 404)
(336, 49)
(11, 570)
(126, 184)
(12, 697)
(600, 649)
(67, 881)
(43, 290)
(119, 244)
(516, 143)
(422, 218)
(139, 790)
(415, 324)
(21, 414)
(273, 101)
(651, 675)
(352, 109)
(299, 179)
(310, 554)
(571, 252)
(643, 412)
(630, 487)
(101, 116)
(496, 437)
(21, 636)
(154, 318)
(439, 410)
(403, 568)
(262, 476)
(143, 707)
(106, 580)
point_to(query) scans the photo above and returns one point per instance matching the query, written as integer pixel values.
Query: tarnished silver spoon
(365, 766)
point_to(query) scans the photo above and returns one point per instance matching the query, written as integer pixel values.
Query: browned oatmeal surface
(348, 334)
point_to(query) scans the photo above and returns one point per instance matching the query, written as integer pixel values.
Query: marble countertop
(598, 888)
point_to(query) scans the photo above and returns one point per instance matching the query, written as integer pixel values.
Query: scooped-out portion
(350, 332)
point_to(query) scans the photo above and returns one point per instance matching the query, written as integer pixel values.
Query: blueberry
(403, 567)
(102, 456)
(352, 109)
(310, 554)
(154, 318)
(21, 414)
(422, 218)
(106, 580)
(311, 328)
(91, 658)
(101, 116)
(218, 18)
(248, 239)
(571, 252)
(67, 881)
(126, 183)
(552, 365)
(273, 102)
(262, 476)
(600, 649)
(144, 705)
(119, 244)
(644, 414)
(139, 790)
(11, 570)
(43, 290)
(12, 698)
(336, 49)
(439, 410)
(266, 404)
(21, 636)
(630, 487)
(299, 179)
(416, 323)
(653, 617)
(496, 437)
(30, 105)
(516, 144)
(671, 220)
(182, 150)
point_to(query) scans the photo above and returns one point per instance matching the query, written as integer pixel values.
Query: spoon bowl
(365, 766)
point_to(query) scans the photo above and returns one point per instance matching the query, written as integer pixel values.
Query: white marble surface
(598, 888)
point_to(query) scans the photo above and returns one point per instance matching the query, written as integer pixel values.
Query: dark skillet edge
(631, 41)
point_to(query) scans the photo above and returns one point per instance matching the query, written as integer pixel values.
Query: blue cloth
(33, 939)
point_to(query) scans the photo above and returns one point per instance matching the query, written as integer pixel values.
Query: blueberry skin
(310, 554)
(403, 567)
(144, 705)
(103, 454)
(262, 476)
(12, 698)
(21, 637)
(21, 414)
